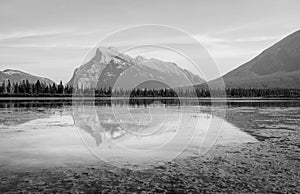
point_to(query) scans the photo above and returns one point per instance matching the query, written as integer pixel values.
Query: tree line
(40, 89)
(25, 88)
(218, 93)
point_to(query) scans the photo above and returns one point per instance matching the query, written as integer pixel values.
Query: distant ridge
(276, 67)
(19, 76)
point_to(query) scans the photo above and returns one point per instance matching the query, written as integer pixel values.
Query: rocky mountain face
(108, 68)
(276, 67)
(19, 76)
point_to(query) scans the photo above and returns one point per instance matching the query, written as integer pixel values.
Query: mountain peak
(98, 52)
(104, 55)
(112, 64)
(140, 58)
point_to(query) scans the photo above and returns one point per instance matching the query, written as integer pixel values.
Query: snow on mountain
(19, 76)
(109, 67)
(11, 72)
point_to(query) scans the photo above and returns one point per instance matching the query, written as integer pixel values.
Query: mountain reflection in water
(146, 129)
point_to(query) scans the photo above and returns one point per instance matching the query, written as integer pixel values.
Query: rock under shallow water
(268, 166)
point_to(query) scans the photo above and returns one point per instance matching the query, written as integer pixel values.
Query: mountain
(108, 67)
(276, 67)
(19, 76)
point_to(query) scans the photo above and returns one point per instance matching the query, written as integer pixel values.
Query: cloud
(223, 40)
(226, 47)
(50, 46)
(64, 39)
(29, 34)
(257, 39)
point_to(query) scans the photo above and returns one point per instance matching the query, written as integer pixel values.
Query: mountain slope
(19, 76)
(276, 67)
(108, 67)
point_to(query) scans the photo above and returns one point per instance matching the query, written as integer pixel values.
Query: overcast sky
(50, 38)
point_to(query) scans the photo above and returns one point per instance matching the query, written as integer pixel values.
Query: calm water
(120, 132)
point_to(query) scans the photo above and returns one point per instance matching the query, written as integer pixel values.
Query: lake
(131, 133)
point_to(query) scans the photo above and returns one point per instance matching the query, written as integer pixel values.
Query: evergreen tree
(53, 89)
(4, 87)
(38, 87)
(60, 88)
(8, 87)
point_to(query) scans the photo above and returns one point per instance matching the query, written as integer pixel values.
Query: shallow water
(50, 133)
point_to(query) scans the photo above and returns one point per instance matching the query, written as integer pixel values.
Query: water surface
(42, 133)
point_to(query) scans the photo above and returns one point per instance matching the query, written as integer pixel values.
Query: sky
(50, 38)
